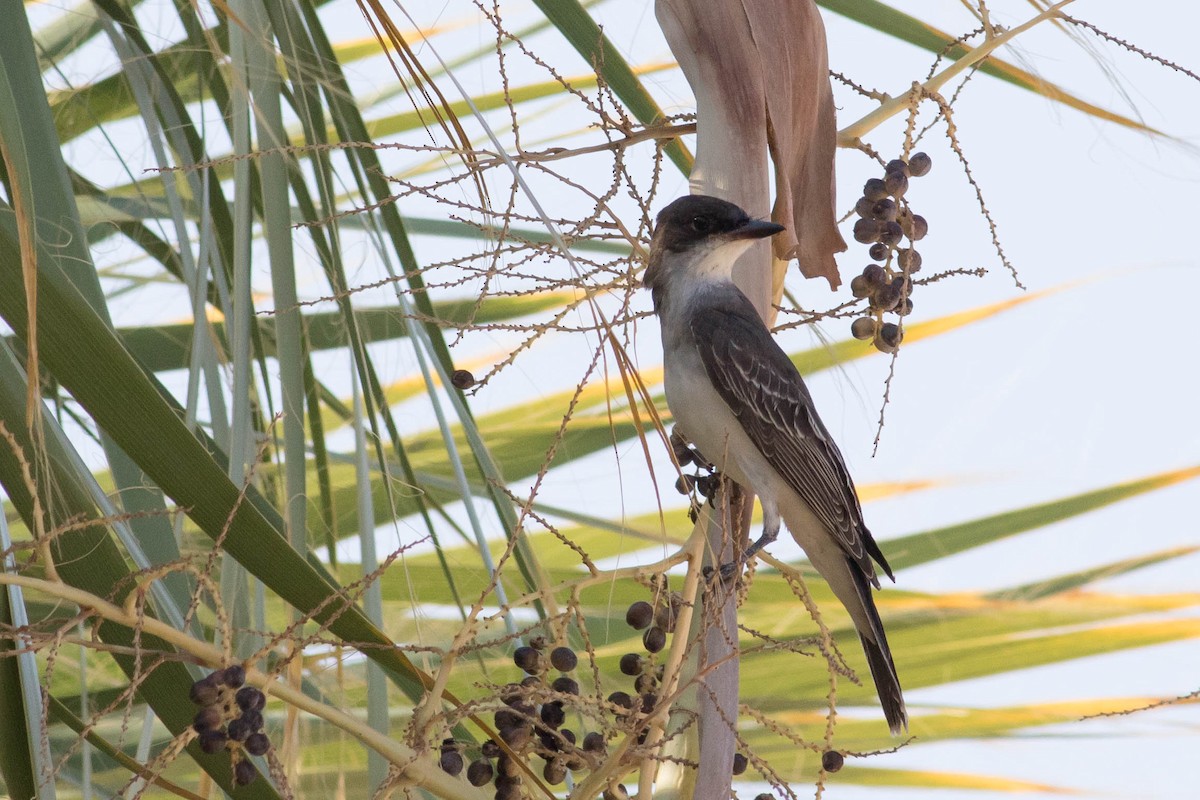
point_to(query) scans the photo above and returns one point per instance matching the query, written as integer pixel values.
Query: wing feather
(768, 397)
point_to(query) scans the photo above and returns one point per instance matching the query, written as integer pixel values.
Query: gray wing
(764, 390)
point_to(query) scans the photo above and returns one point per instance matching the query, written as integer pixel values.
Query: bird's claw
(732, 569)
(727, 572)
(769, 535)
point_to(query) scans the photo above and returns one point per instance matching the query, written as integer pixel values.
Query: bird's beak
(756, 229)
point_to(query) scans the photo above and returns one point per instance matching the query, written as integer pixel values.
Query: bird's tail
(879, 657)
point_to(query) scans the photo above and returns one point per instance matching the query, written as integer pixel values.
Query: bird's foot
(726, 572)
(732, 569)
(769, 535)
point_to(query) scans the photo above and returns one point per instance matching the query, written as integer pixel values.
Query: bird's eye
(701, 224)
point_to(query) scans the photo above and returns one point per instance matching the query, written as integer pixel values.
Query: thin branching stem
(421, 771)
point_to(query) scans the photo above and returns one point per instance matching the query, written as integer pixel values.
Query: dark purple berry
(896, 184)
(555, 772)
(239, 729)
(451, 762)
(244, 773)
(909, 260)
(740, 762)
(859, 287)
(867, 231)
(920, 227)
(645, 683)
(550, 741)
(863, 328)
(594, 743)
(461, 379)
(875, 275)
(889, 337)
(206, 691)
(515, 737)
(684, 484)
(553, 715)
(892, 234)
(563, 659)
(524, 710)
(565, 685)
(654, 639)
(897, 165)
(480, 772)
(511, 694)
(490, 749)
(915, 226)
(233, 676)
(207, 719)
(509, 718)
(639, 615)
(621, 700)
(632, 664)
(919, 165)
(832, 760)
(864, 208)
(878, 251)
(666, 615)
(257, 744)
(874, 190)
(212, 742)
(250, 699)
(886, 210)
(679, 446)
(529, 659)
(508, 768)
(886, 297)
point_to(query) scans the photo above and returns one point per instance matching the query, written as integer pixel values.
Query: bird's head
(700, 235)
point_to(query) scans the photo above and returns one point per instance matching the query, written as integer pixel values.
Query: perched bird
(739, 399)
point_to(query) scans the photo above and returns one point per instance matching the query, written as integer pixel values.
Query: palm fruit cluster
(885, 222)
(656, 621)
(532, 723)
(230, 719)
(535, 720)
(705, 481)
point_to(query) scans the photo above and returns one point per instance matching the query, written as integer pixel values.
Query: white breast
(706, 421)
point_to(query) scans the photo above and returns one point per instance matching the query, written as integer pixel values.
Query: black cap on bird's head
(697, 219)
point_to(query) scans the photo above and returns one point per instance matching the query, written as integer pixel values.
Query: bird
(737, 397)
